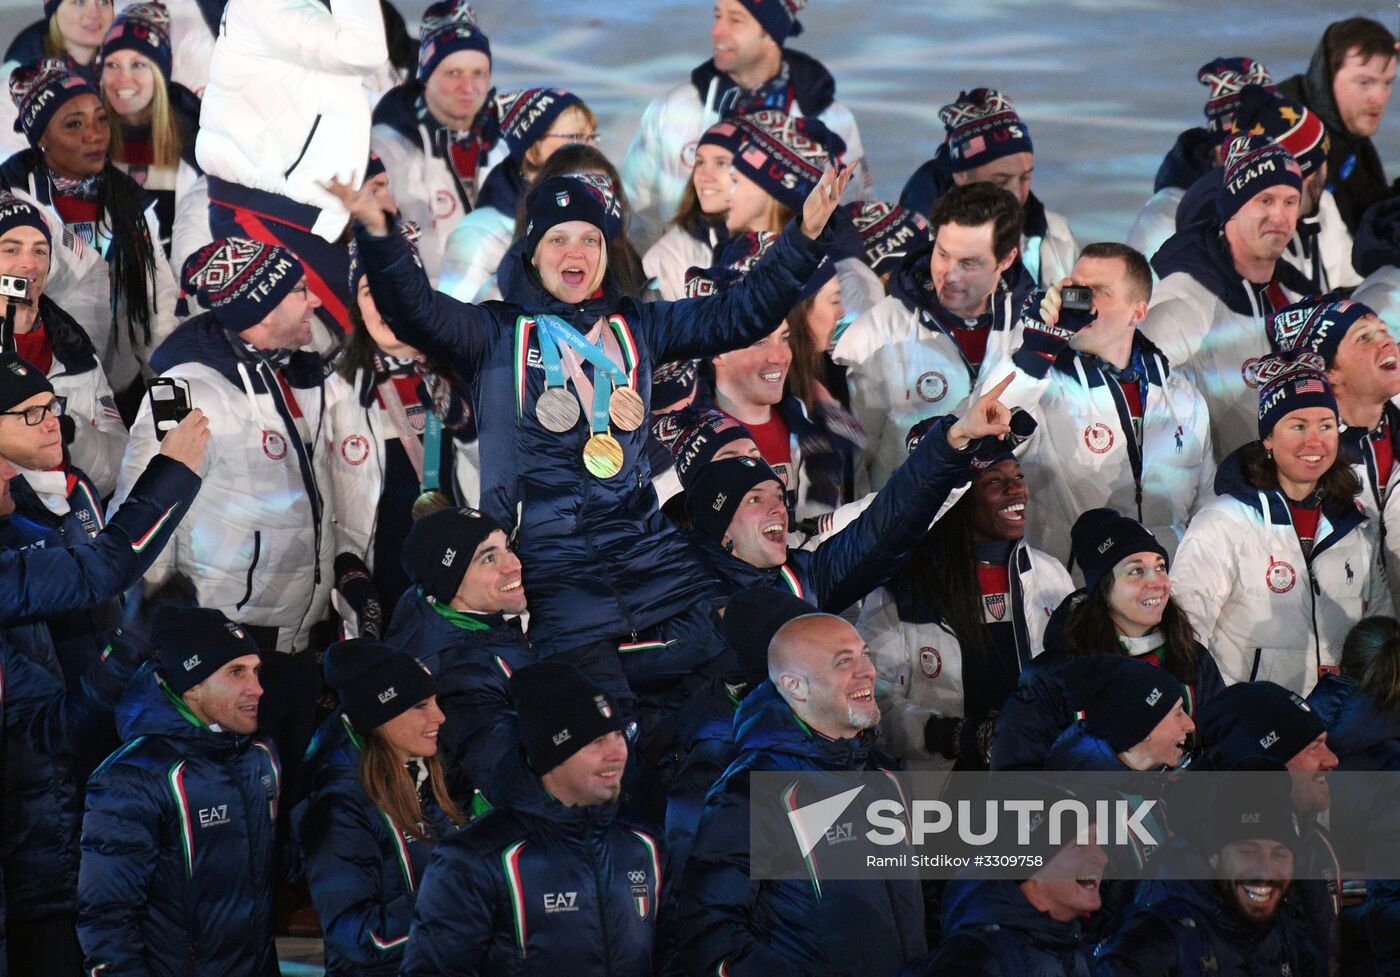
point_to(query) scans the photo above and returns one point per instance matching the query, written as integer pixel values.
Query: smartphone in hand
(170, 402)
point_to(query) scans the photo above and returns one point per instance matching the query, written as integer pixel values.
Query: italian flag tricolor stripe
(139, 545)
(510, 861)
(380, 944)
(501, 664)
(623, 332)
(523, 326)
(93, 505)
(400, 850)
(790, 802)
(792, 582)
(176, 777)
(649, 843)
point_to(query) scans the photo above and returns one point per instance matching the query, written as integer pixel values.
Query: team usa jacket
(363, 869)
(903, 366)
(178, 846)
(1087, 452)
(662, 155)
(537, 888)
(606, 562)
(472, 657)
(1266, 611)
(1381, 505)
(920, 661)
(257, 545)
(728, 923)
(1210, 324)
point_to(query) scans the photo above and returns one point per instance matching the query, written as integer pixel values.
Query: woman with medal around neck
(560, 382)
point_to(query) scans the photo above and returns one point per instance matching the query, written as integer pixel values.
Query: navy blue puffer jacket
(730, 924)
(178, 846)
(599, 559)
(363, 870)
(991, 929)
(536, 888)
(471, 657)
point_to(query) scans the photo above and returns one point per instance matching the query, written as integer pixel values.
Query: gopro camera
(1076, 298)
(15, 288)
(170, 402)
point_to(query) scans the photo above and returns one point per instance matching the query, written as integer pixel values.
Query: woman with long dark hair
(377, 805)
(1274, 571)
(955, 628)
(154, 120)
(116, 282)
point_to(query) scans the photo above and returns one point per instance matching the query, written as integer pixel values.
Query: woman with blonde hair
(154, 120)
(377, 804)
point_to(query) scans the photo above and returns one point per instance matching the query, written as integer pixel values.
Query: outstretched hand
(988, 417)
(361, 205)
(825, 197)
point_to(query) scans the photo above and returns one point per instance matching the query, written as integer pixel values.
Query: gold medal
(557, 410)
(602, 456)
(429, 502)
(626, 409)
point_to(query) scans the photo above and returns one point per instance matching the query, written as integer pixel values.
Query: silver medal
(557, 410)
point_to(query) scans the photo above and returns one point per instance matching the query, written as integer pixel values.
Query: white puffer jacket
(1080, 456)
(1156, 221)
(1051, 258)
(920, 665)
(903, 368)
(1381, 291)
(472, 254)
(248, 544)
(286, 108)
(1264, 611)
(673, 254)
(426, 191)
(1333, 247)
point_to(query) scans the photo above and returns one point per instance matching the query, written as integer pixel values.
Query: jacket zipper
(315, 124)
(602, 909)
(257, 551)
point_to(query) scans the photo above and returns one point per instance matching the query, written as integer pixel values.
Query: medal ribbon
(606, 372)
(432, 452)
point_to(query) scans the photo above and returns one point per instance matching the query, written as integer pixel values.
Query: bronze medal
(602, 456)
(557, 410)
(626, 409)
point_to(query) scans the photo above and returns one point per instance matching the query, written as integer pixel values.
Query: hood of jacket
(520, 285)
(812, 84)
(1200, 251)
(736, 574)
(148, 708)
(1355, 720)
(765, 723)
(1078, 749)
(503, 189)
(398, 110)
(418, 628)
(202, 340)
(976, 903)
(1190, 158)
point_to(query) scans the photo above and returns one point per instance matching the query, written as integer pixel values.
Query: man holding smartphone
(256, 545)
(52, 340)
(1117, 427)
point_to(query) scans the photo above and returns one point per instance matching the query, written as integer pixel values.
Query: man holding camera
(256, 544)
(1117, 428)
(52, 340)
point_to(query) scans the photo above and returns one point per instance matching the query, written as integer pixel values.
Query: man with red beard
(1232, 924)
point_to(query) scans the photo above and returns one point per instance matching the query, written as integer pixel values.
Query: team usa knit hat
(195, 642)
(724, 134)
(449, 26)
(39, 90)
(785, 155)
(695, 435)
(439, 548)
(561, 199)
(143, 28)
(18, 212)
(19, 381)
(777, 17)
(561, 711)
(1253, 165)
(241, 280)
(888, 233)
(1226, 78)
(526, 115)
(982, 126)
(1286, 122)
(1289, 382)
(1315, 325)
(717, 490)
(375, 681)
(607, 192)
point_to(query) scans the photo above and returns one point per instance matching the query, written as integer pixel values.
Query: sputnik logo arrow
(812, 822)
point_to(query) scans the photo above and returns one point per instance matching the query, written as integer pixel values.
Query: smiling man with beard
(814, 712)
(1233, 923)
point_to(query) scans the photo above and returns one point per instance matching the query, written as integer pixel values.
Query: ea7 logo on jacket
(211, 816)
(561, 902)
